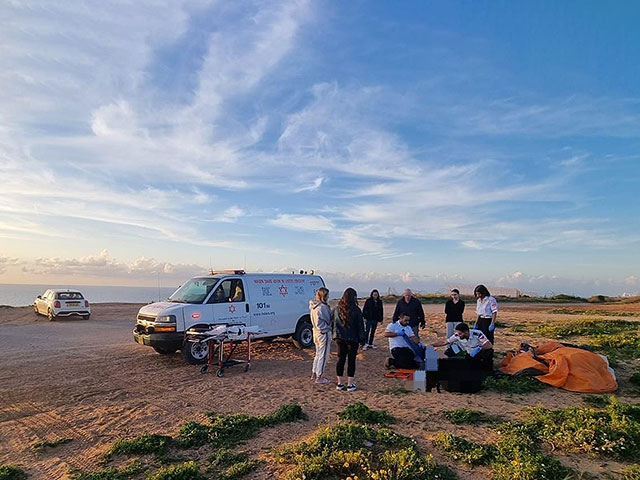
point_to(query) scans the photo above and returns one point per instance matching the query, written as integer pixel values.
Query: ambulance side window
(237, 291)
(221, 293)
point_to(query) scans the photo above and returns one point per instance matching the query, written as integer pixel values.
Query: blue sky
(417, 144)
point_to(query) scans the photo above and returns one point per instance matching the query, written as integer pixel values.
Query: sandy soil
(86, 380)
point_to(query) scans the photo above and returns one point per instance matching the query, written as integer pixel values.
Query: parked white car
(277, 303)
(62, 303)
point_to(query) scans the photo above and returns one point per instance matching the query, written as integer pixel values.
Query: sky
(418, 144)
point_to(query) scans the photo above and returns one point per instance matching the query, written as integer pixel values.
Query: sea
(16, 295)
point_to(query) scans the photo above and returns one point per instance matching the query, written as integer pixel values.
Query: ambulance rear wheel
(195, 353)
(303, 338)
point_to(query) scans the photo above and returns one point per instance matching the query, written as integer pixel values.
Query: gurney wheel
(247, 367)
(204, 368)
(220, 372)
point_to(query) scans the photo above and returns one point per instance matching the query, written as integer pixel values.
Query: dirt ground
(88, 381)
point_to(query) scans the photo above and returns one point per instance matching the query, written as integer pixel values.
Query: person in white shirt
(402, 356)
(467, 340)
(487, 310)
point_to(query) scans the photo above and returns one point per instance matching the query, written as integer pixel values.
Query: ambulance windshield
(193, 291)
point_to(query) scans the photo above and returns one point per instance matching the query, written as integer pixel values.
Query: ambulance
(277, 303)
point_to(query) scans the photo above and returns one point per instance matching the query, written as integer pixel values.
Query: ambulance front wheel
(195, 353)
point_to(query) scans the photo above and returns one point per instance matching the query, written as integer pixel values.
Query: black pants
(403, 357)
(346, 352)
(483, 326)
(370, 331)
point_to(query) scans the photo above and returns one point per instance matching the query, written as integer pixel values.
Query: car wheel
(50, 315)
(86, 317)
(35, 310)
(195, 353)
(165, 351)
(303, 338)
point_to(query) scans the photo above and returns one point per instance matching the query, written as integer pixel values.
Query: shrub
(360, 413)
(465, 416)
(635, 378)
(513, 384)
(143, 444)
(632, 472)
(596, 401)
(348, 450)
(622, 345)
(183, 471)
(10, 472)
(463, 450)
(227, 465)
(601, 313)
(124, 473)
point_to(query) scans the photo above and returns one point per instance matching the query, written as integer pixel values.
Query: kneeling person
(398, 333)
(471, 341)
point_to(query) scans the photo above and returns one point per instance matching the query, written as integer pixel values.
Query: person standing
(487, 310)
(453, 309)
(321, 321)
(372, 312)
(348, 332)
(411, 306)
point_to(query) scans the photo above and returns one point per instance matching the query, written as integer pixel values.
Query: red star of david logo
(283, 290)
(232, 309)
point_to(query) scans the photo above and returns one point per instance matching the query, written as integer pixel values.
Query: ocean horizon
(20, 295)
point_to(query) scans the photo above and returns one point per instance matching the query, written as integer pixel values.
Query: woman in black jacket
(348, 332)
(372, 313)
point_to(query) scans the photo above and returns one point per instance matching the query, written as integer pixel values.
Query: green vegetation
(395, 390)
(635, 378)
(40, 446)
(463, 416)
(587, 327)
(614, 431)
(596, 401)
(601, 313)
(9, 472)
(183, 471)
(513, 385)
(360, 413)
(227, 465)
(144, 444)
(123, 473)
(512, 458)
(347, 450)
(622, 346)
(631, 473)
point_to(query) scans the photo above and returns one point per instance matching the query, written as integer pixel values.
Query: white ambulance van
(277, 303)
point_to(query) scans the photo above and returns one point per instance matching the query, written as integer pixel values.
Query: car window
(69, 296)
(193, 291)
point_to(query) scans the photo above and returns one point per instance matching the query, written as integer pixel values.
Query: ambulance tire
(195, 353)
(303, 338)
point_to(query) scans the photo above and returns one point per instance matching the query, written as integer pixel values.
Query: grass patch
(512, 458)
(586, 327)
(635, 378)
(226, 465)
(513, 385)
(40, 446)
(348, 450)
(360, 413)
(601, 313)
(519, 328)
(465, 416)
(10, 472)
(144, 444)
(183, 471)
(614, 431)
(632, 472)
(124, 473)
(622, 346)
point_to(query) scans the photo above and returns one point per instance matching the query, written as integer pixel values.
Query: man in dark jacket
(411, 306)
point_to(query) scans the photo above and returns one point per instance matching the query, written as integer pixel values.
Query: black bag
(460, 375)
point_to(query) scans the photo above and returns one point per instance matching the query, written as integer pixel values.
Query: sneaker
(366, 347)
(351, 388)
(321, 381)
(340, 387)
(372, 346)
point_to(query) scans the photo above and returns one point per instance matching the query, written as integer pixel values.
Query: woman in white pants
(321, 321)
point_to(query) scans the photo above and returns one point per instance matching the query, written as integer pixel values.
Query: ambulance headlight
(166, 319)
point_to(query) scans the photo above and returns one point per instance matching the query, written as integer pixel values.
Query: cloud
(7, 262)
(304, 223)
(311, 188)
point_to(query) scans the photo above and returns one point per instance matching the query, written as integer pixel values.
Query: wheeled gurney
(217, 337)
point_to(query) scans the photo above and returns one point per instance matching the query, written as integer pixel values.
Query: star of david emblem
(232, 309)
(283, 290)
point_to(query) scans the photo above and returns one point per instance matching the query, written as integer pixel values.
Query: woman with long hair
(321, 321)
(487, 310)
(348, 332)
(372, 313)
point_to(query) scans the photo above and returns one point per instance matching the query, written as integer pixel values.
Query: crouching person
(471, 342)
(398, 333)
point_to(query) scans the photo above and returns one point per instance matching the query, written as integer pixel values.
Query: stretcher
(222, 341)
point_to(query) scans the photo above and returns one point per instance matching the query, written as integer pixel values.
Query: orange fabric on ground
(400, 373)
(570, 368)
